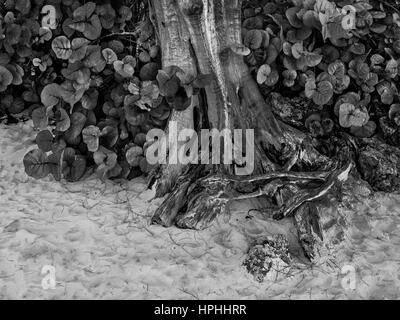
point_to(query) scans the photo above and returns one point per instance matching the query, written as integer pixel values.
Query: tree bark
(198, 36)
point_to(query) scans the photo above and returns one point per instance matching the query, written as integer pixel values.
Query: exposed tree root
(198, 36)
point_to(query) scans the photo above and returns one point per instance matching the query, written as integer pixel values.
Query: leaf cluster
(328, 51)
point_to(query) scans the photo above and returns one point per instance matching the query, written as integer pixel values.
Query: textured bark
(198, 36)
(309, 230)
(174, 40)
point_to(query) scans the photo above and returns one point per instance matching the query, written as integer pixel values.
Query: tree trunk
(199, 36)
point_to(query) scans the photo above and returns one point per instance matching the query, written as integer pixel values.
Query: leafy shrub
(87, 78)
(91, 83)
(342, 55)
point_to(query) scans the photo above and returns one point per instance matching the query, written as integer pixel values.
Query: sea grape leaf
(149, 71)
(107, 15)
(73, 165)
(392, 68)
(272, 54)
(78, 168)
(106, 160)
(51, 95)
(134, 115)
(109, 55)
(55, 164)
(272, 78)
(62, 47)
(253, 39)
(17, 73)
(291, 15)
(109, 136)
(6, 78)
(70, 94)
(134, 155)
(352, 116)
(320, 91)
(89, 99)
(312, 59)
(297, 50)
(44, 140)
(78, 121)
(62, 119)
(40, 118)
(91, 137)
(263, 72)
(94, 59)
(168, 85)
(35, 163)
(45, 34)
(79, 48)
(125, 67)
(85, 11)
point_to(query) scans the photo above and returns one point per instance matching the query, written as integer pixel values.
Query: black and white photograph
(194, 151)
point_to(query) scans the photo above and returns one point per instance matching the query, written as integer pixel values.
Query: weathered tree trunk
(198, 36)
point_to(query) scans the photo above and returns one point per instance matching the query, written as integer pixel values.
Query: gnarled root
(199, 36)
(196, 201)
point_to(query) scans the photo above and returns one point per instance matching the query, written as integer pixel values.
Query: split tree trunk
(198, 36)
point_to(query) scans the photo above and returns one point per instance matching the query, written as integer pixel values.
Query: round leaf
(109, 55)
(263, 72)
(109, 136)
(253, 39)
(323, 93)
(44, 140)
(291, 15)
(35, 163)
(149, 71)
(79, 49)
(78, 169)
(272, 79)
(168, 86)
(312, 59)
(51, 95)
(134, 155)
(62, 47)
(91, 136)
(297, 50)
(6, 78)
(89, 99)
(39, 118)
(351, 116)
(78, 121)
(63, 121)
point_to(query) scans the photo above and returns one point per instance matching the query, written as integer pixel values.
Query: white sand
(98, 238)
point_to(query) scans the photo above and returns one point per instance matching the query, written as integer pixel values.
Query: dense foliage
(341, 55)
(88, 74)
